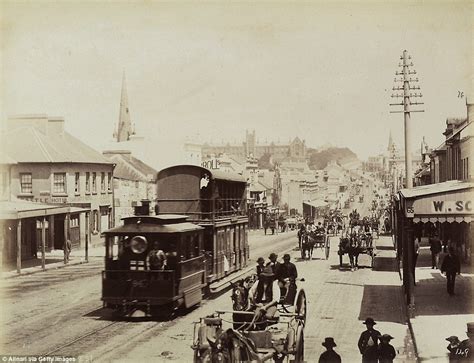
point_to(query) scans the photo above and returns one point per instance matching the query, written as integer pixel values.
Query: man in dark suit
(451, 266)
(368, 342)
(329, 356)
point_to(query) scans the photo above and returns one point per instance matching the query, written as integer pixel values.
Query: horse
(301, 235)
(308, 245)
(241, 301)
(353, 251)
(233, 347)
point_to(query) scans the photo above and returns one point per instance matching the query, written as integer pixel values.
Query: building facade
(133, 181)
(53, 167)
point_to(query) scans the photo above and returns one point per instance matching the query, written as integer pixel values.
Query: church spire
(124, 128)
(390, 142)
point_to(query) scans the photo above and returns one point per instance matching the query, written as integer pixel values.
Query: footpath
(437, 315)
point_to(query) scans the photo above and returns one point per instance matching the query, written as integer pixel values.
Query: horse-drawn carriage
(250, 336)
(314, 239)
(356, 241)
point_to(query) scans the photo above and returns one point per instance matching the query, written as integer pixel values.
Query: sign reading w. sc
(451, 206)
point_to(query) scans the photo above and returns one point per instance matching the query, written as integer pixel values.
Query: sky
(207, 71)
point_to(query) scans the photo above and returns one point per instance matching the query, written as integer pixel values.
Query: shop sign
(451, 206)
(211, 164)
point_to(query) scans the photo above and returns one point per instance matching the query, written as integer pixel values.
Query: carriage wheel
(300, 305)
(299, 353)
(327, 247)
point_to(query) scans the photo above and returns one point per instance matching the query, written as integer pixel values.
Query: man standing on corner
(451, 266)
(368, 342)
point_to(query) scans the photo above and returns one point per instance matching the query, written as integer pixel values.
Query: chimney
(55, 126)
(470, 111)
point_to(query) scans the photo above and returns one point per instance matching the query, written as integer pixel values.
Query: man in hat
(386, 350)
(260, 265)
(368, 342)
(275, 265)
(265, 293)
(453, 346)
(435, 248)
(464, 351)
(287, 273)
(451, 266)
(329, 356)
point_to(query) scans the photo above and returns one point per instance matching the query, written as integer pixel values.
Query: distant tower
(124, 128)
(250, 143)
(390, 142)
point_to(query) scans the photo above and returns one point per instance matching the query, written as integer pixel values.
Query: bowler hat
(260, 259)
(267, 272)
(272, 255)
(453, 339)
(329, 342)
(386, 337)
(286, 256)
(369, 321)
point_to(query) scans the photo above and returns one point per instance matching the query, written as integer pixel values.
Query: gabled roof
(131, 168)
(28, 145)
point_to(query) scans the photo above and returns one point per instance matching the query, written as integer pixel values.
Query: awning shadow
(375, 303)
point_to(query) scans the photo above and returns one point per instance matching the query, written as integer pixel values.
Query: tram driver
(156, 258)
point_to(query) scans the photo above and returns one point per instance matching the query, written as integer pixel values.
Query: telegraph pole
(409, 89)
(409, 85)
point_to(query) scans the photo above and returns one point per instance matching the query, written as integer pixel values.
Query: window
(26, 183)
(109, 182)
(94, 182)
(76, 184)
(102, 182)
(3, 183)
(59, 183)
(88, 182)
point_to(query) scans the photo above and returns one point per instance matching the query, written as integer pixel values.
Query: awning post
(87, 236)
(43, 243)
(18, 247)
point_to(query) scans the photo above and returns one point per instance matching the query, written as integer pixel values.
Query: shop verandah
(443, 211)
(31, 231)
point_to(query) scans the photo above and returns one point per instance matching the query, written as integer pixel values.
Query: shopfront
(443, 209)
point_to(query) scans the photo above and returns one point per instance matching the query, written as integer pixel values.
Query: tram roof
(215, 174)
(166, 223)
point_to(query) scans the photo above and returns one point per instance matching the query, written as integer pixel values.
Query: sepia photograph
(236, 181)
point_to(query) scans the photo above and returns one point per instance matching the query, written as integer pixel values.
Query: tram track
(74, 326)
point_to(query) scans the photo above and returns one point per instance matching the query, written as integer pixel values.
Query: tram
(198, 236)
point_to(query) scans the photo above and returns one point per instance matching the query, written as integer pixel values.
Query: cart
(354, 246)
(315, 240)
(276, 340)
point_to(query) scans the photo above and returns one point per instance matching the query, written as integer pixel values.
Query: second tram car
(198, 236)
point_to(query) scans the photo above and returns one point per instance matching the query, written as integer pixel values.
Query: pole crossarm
(409, 91)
